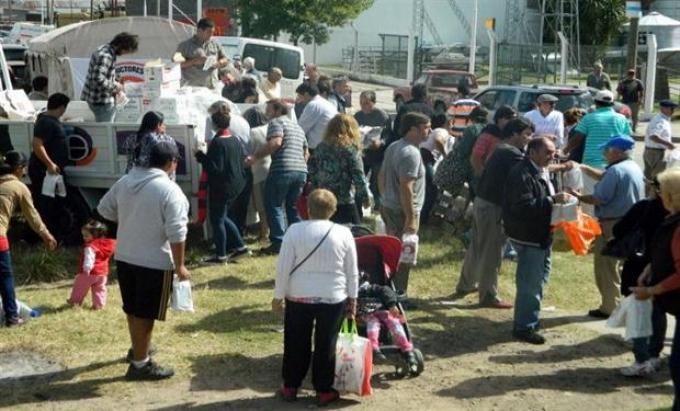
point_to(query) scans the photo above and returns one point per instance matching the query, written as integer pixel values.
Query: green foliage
(304, 20)
(600, 21)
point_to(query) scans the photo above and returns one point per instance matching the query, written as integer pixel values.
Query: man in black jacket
(527, 208)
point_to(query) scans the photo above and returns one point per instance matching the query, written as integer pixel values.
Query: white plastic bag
(53, 184)
(379, 225)
(409, 249)
(353, 362)
(572, 179)
(181, 299)
(565, 212)
(673, 159)
(635, 315)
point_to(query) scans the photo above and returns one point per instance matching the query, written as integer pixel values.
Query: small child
(94, 265)
(386, 313)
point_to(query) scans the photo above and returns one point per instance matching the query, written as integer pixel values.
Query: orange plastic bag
(580, 234)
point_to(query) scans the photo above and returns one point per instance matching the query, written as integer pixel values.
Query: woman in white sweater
(317, 276)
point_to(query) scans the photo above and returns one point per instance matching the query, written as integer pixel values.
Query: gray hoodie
(152, 212)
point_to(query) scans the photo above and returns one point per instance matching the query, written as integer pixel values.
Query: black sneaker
(271, 250)
(597, 313)
(530, 336)
(378, 356)
(130, 355)
(238, 254)
(216, 260)
(149, 372)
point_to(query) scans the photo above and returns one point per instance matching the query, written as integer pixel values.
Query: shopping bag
(181, 299)
(673, 159)
(580, 233)
(409, 249)
(53, 184)
(564, 212)
(572, 180)
(301, 203)
(617, 319)
(353, 361)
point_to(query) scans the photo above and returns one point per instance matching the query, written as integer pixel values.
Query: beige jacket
(14, 193)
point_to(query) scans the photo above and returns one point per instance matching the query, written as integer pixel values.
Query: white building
(395, 17)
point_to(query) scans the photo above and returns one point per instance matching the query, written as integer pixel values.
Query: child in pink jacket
(94, 265)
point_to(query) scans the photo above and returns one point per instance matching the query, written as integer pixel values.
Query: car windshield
(267, 57)
(14, 54)
(565, 101)
(446, 80)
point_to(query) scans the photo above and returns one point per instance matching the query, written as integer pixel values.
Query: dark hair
(255, 117)
(279, 106)
(125, 42)
(11, 161)
(39, 83)
(150, 121)
(479, 114)
(516, 126)
(504, 112)
(57, 100)
(369, 94)
(306, 88)
(162, 153)
(205, 24)
(339, 80)
(96, 228)
(220, 120)
(439, 120)
(324, 85)
(419, 92)
(538, 143)
(412, 119)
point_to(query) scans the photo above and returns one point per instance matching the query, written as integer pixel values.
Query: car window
(267, 57)
(446, 80)
(567, 101)
(487, 99)
(527, 101)
(14, 54)
(505, 97)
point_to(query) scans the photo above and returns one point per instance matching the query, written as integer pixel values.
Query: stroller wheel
(420, 360)
(401, 370)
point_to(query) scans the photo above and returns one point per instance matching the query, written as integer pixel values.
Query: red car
(442, 87)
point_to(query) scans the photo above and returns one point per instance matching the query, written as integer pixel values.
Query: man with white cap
(598, 78)
(547, 121)
(658, 140)
(595, 129)
(619, 186)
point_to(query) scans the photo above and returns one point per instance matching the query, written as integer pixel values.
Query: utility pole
(634, 11)
(473, 39)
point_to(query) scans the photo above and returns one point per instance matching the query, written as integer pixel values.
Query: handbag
(353, 361)
(181, 299)
(311, 252)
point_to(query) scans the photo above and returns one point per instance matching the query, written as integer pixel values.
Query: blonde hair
(343, 131)
(321, 204)
(669, 182)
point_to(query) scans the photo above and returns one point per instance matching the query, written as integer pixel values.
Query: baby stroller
(378, 258)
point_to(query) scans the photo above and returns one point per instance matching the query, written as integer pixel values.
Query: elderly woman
(271, 86)
(336, 165)
(14, 194)
(661, 279)
(317, 276)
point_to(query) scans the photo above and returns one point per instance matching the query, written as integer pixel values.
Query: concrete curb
(365, 77)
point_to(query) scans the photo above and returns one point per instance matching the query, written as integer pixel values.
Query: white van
(268, 54)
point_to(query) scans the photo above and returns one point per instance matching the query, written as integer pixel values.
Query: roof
(158, 37)
(656, 19)
(445, 71)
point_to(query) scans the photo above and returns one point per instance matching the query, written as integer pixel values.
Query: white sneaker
(638, 369)
(655, 363)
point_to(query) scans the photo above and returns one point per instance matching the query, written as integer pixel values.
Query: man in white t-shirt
(316, 115)
(658, 140)
(547, 121)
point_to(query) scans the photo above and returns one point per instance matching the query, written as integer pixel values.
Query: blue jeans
(647, 347)
(282, 190)
(9, 299)
(103, 113)
(223, 228)
(533, 270)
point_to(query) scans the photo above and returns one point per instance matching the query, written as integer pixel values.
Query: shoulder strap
(311, 252)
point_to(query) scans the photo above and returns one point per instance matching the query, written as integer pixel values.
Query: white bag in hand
(673, 159)
(353, 362)
(409, 249)
(572, 179)
(564, 212)
(53, 184)
(181, 299)
(635, 315)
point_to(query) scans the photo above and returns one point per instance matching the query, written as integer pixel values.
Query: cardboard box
(131, 112)
(161, 80)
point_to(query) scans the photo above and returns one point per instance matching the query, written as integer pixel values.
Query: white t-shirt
(552, 125)
(659, 126)
(314, 119)
(260, 169)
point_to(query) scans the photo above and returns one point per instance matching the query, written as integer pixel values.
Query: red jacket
(103, 250)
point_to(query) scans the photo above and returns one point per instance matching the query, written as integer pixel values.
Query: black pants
(238, 211)
(300, 320)
(430, 188)
(346, 214)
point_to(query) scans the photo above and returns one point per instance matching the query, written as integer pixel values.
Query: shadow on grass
(262, 403)
(578, 380)
(55, 386)
(249, 317)
(235, 283)
(603, 346)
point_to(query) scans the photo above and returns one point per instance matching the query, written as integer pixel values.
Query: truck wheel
(398, 101)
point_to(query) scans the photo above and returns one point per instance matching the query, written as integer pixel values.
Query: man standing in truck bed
(196, 51)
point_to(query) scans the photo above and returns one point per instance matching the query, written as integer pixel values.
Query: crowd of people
(342, 165)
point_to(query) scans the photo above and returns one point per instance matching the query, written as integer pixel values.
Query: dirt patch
(16, 365)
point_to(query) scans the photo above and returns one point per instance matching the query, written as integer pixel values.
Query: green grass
(233, 339)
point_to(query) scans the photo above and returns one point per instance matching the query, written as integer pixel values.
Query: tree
(304, 20)
(600, 21)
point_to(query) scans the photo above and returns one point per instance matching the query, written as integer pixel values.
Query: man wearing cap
(631, 92)
(619, 186)
(658, 140)
(598, 78)
(548, 121)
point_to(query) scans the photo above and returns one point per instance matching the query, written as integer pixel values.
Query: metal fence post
(493, 50)
(651, 75)
(564, 57)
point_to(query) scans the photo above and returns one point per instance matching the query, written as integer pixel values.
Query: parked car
(442, 87)
(15, 56)
(523, 98)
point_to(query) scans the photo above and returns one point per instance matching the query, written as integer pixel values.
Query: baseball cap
(547, 98)
(668, 103)
(604, 96)
(623, 143)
